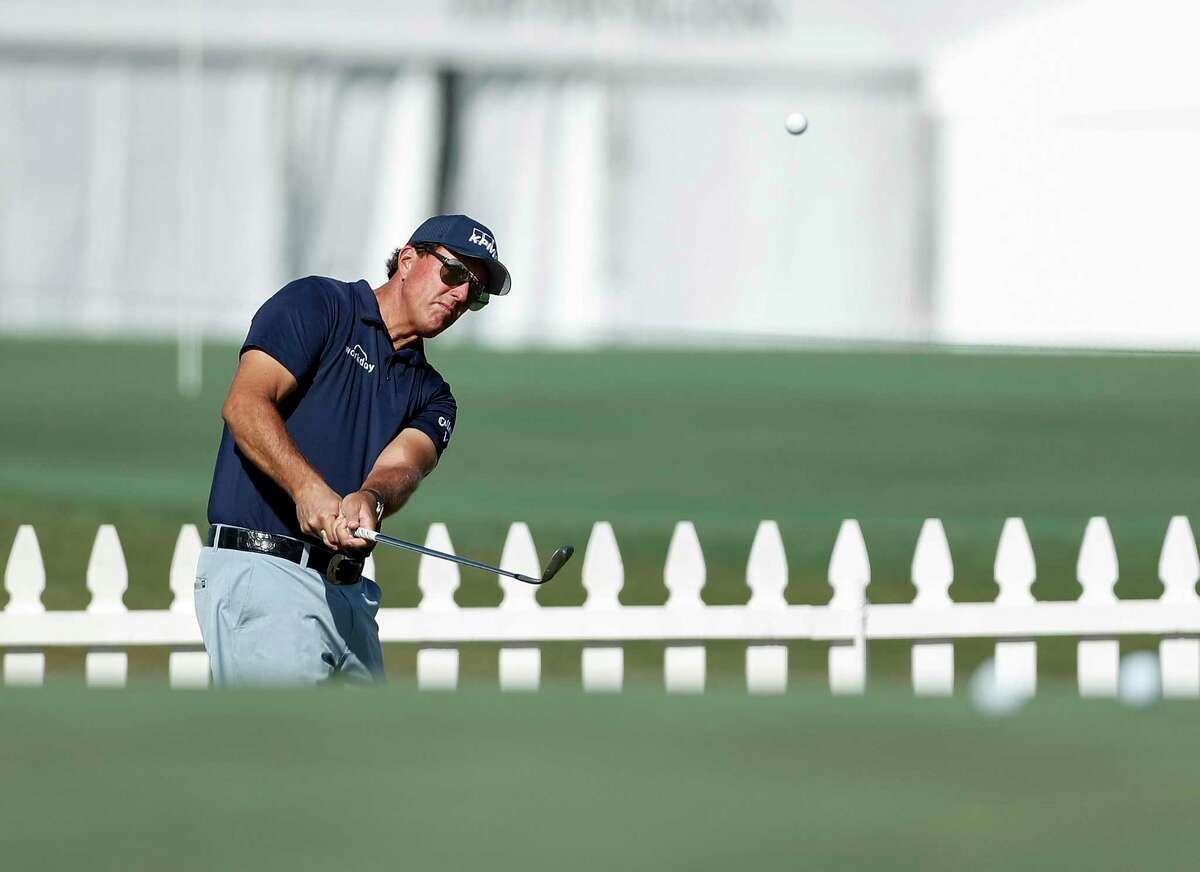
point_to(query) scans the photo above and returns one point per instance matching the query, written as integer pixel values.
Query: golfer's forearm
(395, 484)
(260, 434)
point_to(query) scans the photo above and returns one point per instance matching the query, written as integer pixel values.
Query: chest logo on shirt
(360, 357)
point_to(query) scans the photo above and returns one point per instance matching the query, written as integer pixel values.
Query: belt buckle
(331, 570)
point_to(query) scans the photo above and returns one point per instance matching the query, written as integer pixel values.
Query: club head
(557, 560)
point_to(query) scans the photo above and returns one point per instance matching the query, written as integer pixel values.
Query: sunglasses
(455, 273)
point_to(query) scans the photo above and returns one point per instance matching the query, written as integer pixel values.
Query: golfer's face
(438, 305)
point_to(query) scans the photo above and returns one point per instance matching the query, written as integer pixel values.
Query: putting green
(147, 779)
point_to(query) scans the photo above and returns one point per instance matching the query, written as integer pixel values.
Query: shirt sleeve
(293, 326)
(436, 419)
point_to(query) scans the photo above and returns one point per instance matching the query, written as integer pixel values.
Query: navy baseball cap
(469, 238)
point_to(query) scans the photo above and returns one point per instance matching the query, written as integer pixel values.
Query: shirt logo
(483, 240)
(447, 428)
(360, 357)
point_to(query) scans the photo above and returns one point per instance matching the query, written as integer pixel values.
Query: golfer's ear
(408, 257)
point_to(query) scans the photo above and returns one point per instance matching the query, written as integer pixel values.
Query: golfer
(333, 418)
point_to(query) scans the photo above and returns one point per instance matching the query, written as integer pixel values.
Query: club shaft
(421, 549)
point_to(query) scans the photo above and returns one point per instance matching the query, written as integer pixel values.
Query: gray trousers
(268, 621)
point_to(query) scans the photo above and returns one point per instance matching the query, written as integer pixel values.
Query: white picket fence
(438, 625)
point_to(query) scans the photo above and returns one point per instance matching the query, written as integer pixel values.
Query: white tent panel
(725, 223)
(1069, 183)
(1083, 57)
(1087, 239)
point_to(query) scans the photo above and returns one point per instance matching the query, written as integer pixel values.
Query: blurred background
(969, 290)
(1012, 172)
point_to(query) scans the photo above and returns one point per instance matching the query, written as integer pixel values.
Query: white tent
(630, 157)
(1068, 178)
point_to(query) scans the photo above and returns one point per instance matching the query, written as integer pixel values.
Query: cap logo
(483, 240)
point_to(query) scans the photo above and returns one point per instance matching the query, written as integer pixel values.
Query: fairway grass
(95, 433)
(149, 779)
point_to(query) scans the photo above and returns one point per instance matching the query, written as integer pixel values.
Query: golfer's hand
(357, 510)
(317, 511)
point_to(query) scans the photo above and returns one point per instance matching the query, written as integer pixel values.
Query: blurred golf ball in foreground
(796, 123)
(1138, 681)
(992, 696)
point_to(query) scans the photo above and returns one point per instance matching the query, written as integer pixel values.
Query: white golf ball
(1139, 683)
(796, 123)
(993, 697)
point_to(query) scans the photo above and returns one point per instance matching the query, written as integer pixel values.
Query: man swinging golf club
(333, 418)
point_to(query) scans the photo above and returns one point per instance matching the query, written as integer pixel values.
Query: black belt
(335, 566)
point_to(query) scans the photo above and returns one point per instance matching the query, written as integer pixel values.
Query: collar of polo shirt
(366, 296)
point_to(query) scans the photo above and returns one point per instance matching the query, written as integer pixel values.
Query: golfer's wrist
(377, 500)
(307, 486)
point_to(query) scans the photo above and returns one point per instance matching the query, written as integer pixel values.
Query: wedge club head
(557, 560)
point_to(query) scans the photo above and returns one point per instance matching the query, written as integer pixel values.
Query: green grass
(94, 433)
(479, 780)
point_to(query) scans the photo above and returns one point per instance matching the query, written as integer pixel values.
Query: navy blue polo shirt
(354, 395)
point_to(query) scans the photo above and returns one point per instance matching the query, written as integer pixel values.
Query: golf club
(557, 559)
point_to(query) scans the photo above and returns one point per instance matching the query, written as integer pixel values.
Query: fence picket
(520, 667)
(25, 574)
(849, 575)
(1014, 569)
(931, 622)
(932, 575)
(1015, 662)
(437, 667)
(684, 575)
(25, 668)
(182, 578)
(107, 579)
(767, 578)
(1098, 660)
(25, 581)
(186, 668)
(603, 667)
(1179, 569)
